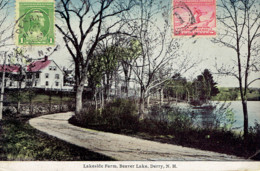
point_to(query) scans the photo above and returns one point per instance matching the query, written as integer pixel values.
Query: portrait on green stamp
(35, 23)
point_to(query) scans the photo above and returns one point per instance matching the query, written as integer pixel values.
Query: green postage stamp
(35, 22)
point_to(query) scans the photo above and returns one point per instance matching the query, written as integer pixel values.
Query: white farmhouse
(44, 74)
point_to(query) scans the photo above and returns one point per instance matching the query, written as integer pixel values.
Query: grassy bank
(42, 99)
(19, 141)
(121, 116)
(233, 94)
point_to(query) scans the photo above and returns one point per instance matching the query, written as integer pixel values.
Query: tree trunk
(19, 89)
(18, 98)
(141, 104)
(2, 96)
(79, 93)
(126, 88)
(102, 99)
(244, 104)
(148, 101)
(126, 82)
(18, 106)
(107, 86)
(116, 86)
(2, 89)
(161, 96)
(95, 98)
(107, 93)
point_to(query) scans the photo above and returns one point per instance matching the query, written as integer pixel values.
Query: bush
(87, 117)
(254, 137)
(166, 120)
(9, 113)
(120, 115)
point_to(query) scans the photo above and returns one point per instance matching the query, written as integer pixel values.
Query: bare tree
(87, 20)
(240, 20)
(159, 58)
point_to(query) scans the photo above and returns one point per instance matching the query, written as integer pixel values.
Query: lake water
(209, 117)
(253, 112)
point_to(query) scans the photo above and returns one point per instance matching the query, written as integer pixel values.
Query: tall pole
(2, 89)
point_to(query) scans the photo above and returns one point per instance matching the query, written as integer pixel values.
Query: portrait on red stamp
(194, 17)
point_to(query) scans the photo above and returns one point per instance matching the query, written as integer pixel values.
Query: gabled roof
(38, 65)
(32, 67)
(9, 68)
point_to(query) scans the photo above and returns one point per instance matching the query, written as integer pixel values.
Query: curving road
(120, 147)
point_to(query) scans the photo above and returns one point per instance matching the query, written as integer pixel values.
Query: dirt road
(120, 147)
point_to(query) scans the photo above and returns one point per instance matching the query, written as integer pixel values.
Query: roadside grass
(37, 96)
(21, 142)
(43, 99)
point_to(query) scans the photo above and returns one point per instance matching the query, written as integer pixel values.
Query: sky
(204, 50)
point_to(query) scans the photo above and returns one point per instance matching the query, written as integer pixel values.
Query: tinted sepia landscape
(117, 86)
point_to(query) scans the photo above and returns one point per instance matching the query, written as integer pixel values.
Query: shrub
(87, 117)
(166, 120)
(180, 122)
(9, 113)
(254, 137)
(120, 115)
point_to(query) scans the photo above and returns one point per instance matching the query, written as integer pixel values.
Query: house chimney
(45, 58)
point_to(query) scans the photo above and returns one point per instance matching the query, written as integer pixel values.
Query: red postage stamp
(194, 17)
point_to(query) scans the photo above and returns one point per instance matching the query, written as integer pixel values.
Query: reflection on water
(214, 115)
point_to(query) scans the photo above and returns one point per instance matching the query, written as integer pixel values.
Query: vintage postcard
(129, 85)
(194, 17)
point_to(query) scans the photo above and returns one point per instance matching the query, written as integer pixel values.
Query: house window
(29, 76)
(47, 75)
(57, 84)
(57, 76)
(54, 68)
(37, 75)
(11, 83)
(50, 68)
(47, 83)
